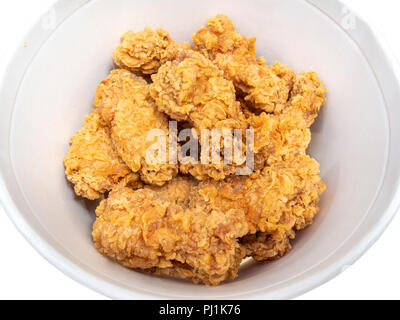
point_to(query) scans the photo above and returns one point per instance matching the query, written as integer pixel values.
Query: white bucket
(49, 88)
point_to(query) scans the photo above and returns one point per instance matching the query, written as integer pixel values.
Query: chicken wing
(92, 164)
(287, 135)
(195, 230)
(266, 87)
(155, 231)
(276, 136)
(191, 88)
(146, 51)
(125, 103)
(119, 84)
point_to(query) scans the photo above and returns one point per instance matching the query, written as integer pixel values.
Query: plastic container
(49, 87)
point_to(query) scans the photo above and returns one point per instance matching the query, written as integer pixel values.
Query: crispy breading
(191, 88)
(146, 51)
(125, 103)
(118, 84)
(92, 164)
(308, 95)
(276, 136)
(266, 87)
(148, 229)
(277, 201)
(199, 229)
(201, 171)
(199, 224)
(185, 271)
(287, 135)
(130, 129)
(263, 247)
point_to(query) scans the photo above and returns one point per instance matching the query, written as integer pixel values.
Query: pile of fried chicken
(192, 220)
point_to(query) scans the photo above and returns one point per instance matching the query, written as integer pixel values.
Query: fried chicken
(201, 222)
(308, 95)
(222, 155)
(276, 136)
(271, 196)
(130, 129)
(277, 202)
(266, 87)
(200, 171)
(191, 88)
(118, 85)
(92, 164)
(156, 231)
(146, 51)
(124, 101)
(287, 135)
(196, 230)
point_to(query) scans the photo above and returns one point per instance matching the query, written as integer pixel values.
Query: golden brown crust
(198, 229)
(199, 226)
(201, 172)
(191, 88)
(125, 103)
(263, 247)
(266, 87)
(92, 164)
(281, 197)
(117, 85)
(308, 95)
(130, 129)
(287, 135)
(147, 229)
(145, 51)
(184, 271)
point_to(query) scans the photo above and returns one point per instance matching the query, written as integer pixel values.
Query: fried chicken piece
(221, 165)
(92, 164)
(130, 130)
(179, 226)
(124, 101)
(280, 137)
(277, 202)
(154, 230)
(287, 135)
(266, 87)
(276, 199)
(308, 95)
(146, 51)
(191, 88)
(118, 85)
(276, 137)
(203, 230)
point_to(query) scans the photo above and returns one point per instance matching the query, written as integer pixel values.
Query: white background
(24, 274)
